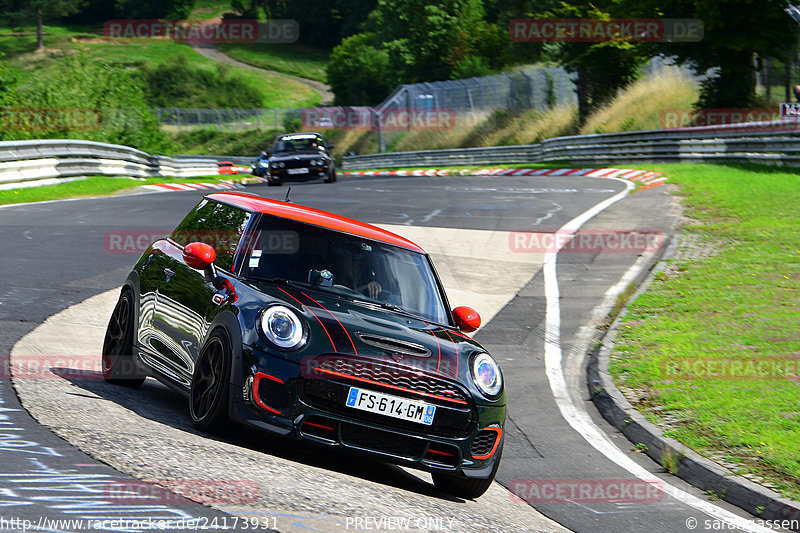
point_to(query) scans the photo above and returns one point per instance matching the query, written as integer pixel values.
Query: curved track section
(467, 223)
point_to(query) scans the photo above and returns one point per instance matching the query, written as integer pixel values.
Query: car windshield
(298, 143)
(345, 265)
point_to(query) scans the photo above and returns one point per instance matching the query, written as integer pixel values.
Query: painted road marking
(578, 418)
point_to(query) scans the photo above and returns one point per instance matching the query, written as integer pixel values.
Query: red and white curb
(647, 178)
(198, 186)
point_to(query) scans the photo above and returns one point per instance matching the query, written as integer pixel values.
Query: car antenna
(287, 196)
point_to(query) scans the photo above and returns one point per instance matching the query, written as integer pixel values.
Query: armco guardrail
(23, 161)
(761, 142)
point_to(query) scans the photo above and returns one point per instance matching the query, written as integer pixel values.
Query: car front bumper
(273, 396)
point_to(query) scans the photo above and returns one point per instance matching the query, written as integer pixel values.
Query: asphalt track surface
(55, 256)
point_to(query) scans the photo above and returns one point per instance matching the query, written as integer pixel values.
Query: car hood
(339, 326)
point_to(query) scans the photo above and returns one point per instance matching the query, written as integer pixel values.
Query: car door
(188, 297)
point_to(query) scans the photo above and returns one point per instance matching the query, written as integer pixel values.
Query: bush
(118, 94)
(176, 84)
(358, 73)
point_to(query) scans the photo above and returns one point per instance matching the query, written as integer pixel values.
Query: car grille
(394, 376)
(381, 441)
(483, 443)
(300, 163)
(327, 382)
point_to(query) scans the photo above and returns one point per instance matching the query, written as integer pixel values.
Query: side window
(218, 225)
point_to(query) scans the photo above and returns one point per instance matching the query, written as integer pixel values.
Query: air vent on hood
(394, 345)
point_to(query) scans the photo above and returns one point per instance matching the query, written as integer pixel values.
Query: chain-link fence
(227, 119)
(531, 88)
(777, 79)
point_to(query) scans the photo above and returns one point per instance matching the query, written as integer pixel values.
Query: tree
(734, 30)
(154, 9)
(358, 72)
(602, 67)
(39, 10)
(427, 41)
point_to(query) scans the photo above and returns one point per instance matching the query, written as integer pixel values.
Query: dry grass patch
(641, 105)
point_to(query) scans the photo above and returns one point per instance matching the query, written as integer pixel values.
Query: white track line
(579, 418)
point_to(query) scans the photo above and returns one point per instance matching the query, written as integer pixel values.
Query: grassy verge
(287, 58)
(89, 187)
(276, 90)
(679, 350)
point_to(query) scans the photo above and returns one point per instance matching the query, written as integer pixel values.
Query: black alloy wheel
(208, 397)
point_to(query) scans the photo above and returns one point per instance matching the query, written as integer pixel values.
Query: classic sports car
(304, 323)
(227, 167)
(301, 156)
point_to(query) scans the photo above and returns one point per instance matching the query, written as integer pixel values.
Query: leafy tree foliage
(422, 41)
(734, 30)
(154, 9)
(322, 23)
(359, 72)
(118, 94)
(38, 11)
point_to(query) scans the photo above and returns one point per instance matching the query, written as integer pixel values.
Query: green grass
(209, 9)
(741, 304)
(89, 187)
(277, 91)
(292, 59)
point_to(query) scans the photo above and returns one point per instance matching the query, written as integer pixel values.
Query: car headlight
(315, 163)
(486, 375)
(283, 327)
(263, 164)
(279, 164)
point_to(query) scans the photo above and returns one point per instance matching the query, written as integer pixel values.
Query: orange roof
(309, 215)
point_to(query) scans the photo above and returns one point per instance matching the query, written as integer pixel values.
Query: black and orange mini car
(307, 324)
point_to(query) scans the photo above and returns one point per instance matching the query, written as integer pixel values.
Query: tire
(274, 183)
(464, 487)
(118, 364)
(209, 393)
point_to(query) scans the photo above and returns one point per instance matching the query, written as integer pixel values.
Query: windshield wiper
(278, 281)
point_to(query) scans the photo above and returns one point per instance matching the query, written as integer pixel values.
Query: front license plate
(297, 170)
(394, 406)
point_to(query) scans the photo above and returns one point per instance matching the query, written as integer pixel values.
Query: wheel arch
(132, 284)
(228, 322)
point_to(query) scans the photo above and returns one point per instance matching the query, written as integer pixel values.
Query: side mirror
(199, 255)
(269, 153)
(330, 146)
(467, 318)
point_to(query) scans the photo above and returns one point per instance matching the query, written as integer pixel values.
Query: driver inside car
(355, 268)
